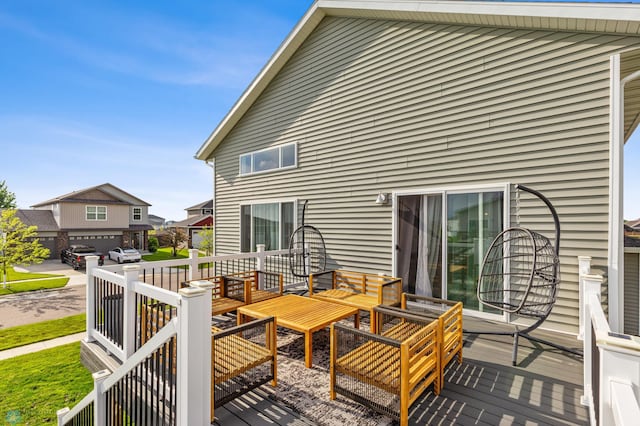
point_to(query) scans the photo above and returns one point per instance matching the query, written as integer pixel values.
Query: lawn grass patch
(13, 275)
(31, 333)
(43, 284)
(166, 253)
(36, 385)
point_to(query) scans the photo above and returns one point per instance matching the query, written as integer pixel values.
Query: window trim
(133, 214)
(97, 219)
(261, 202)
(275, 169)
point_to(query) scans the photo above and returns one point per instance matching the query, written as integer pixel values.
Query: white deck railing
(191, 326)
(611, 360)
(114, 294)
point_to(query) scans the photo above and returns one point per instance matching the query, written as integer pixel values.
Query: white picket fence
(611, 360)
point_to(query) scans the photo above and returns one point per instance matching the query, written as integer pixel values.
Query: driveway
(31, 307)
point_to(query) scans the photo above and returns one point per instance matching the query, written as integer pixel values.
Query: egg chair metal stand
(520, 275)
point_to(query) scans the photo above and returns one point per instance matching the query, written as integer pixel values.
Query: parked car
(124, 254)
(76, 255)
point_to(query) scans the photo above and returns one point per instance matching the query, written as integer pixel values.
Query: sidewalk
(35, 347)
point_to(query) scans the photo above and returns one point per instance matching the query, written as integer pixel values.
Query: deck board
(543, 389)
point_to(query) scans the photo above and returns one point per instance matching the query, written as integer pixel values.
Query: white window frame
(261, 202)
(133, 214)
(505, 188)
(279, 168)
(96, 213)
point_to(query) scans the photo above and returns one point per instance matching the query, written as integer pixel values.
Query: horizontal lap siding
(390, 106)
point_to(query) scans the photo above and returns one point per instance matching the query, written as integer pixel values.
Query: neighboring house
(156, 222)
(198, 217)
(445, 106)
(102, 216)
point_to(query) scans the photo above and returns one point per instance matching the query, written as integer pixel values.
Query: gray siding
(391, 106)
(631, 296)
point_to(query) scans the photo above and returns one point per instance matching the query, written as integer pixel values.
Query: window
(280, 157)
(270, 224)
(96, 213)
(137, 213)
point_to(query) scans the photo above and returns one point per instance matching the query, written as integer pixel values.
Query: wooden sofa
(356, 289)
(242, 357)
(231, 291)
(389, 370)
(449, 315)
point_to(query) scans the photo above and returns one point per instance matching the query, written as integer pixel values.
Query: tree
(18, 243)
(177, 236)
(7, 198)
(206, 243)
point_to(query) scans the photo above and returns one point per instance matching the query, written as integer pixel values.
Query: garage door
(51, 244)
(102, 243)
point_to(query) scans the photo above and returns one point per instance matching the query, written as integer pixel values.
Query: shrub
(153, 244)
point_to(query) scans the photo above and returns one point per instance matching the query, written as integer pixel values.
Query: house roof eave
(584, 17)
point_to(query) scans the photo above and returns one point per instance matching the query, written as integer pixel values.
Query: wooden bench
(449, 315)
(242, 357)
(402, 360)
(356, 289)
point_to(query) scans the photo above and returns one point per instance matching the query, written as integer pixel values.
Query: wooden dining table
(301, 314)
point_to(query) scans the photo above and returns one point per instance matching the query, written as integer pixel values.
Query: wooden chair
(227, 294)
(242, 357)
(259, 285)
(449, 315)
(356, 289)
(400, 361)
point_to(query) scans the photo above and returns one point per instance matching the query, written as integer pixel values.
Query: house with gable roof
(103, 216)
(440, 107)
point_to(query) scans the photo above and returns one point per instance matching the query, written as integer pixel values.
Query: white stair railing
(611, 360)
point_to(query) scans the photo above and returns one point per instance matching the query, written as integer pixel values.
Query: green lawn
(23, 286)
(166, 253)
(31, 333)
(35, 386)
(13, 275)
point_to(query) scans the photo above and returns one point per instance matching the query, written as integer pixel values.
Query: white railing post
(131, 274)
(92, 263)
(261, 257)
(194, 355)
(100, 403)
(60, 414)
(193, 263)
(591, 285)
(584, 268)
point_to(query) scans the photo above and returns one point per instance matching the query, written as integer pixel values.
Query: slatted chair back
(387, 371)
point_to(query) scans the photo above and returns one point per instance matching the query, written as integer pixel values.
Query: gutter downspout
(616, 237)
(211, 163)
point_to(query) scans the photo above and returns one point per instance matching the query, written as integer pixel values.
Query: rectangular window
(137, 213)
(96, 212)
(270, 224)
(279, 157)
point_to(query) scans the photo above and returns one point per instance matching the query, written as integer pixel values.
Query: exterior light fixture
(383, 198)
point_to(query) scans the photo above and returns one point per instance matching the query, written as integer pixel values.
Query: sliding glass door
(441, 241)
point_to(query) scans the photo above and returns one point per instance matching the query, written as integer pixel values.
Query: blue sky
(126, 92)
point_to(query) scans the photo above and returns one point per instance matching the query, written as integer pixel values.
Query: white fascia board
(614, 11)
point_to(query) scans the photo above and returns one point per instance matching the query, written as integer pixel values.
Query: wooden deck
(543, 389)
